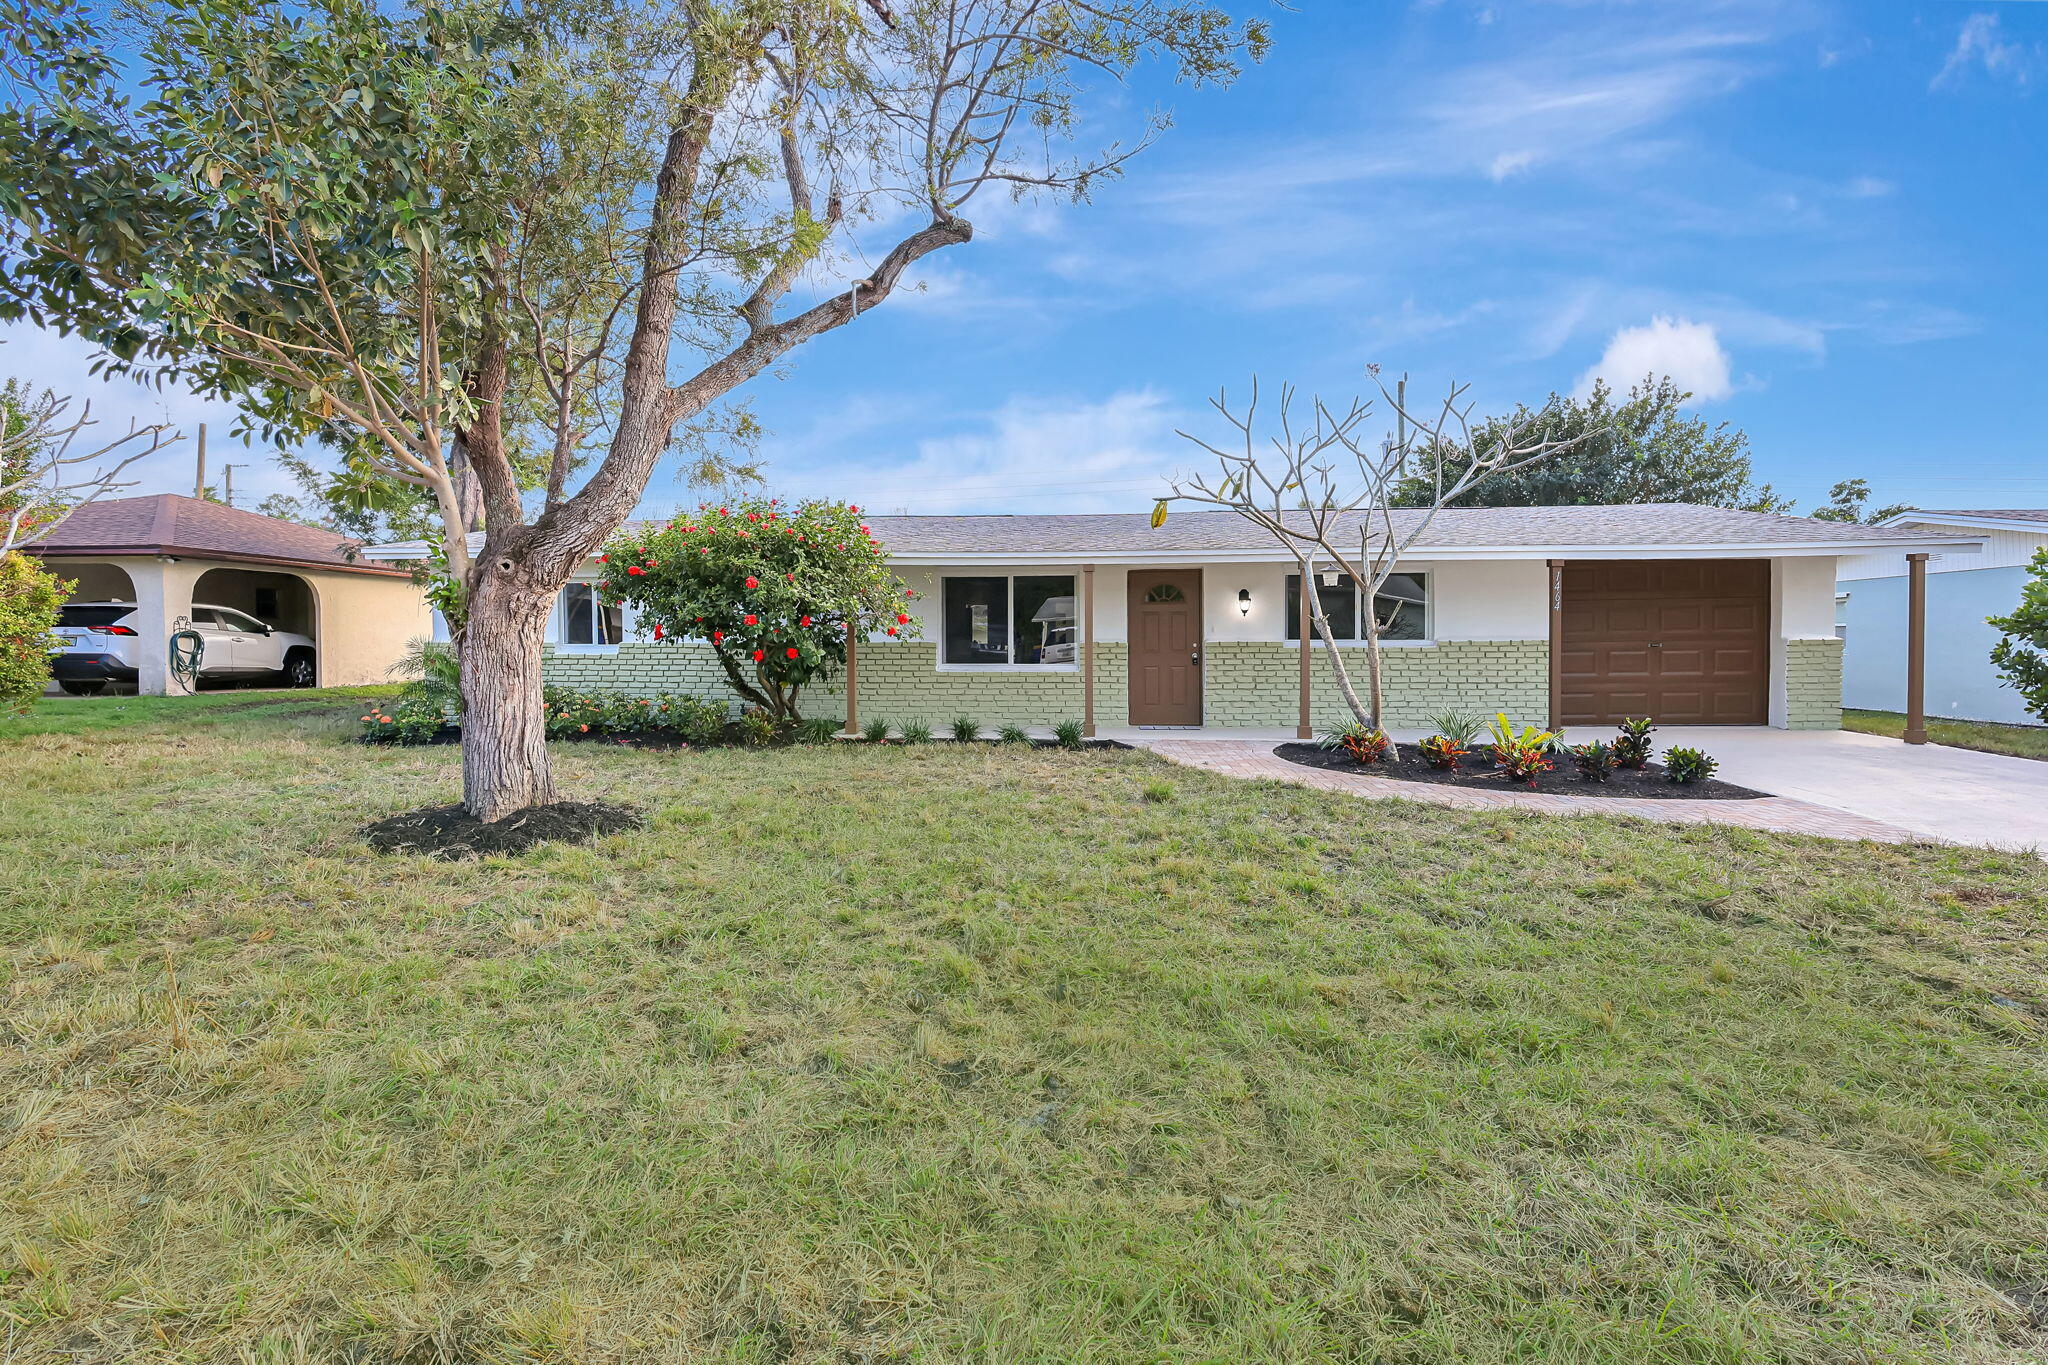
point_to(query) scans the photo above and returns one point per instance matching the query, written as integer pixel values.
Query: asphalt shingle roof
(1463, 528)
(167, 523)
(2039, 514)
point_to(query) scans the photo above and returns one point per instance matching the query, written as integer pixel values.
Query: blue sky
(1826, 219)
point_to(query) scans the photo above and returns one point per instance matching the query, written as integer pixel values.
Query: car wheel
(83, 689)
(298, 671)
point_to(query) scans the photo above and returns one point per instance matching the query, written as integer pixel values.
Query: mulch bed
(452, 832)
(733, 738)
(1476, 771)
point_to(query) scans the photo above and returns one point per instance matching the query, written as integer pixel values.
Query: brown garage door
(1683, 640)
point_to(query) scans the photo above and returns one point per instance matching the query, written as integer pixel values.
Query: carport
(166, 552)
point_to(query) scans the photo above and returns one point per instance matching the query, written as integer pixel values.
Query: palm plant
(433, 674)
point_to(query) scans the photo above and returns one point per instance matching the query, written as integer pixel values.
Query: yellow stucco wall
(365, 624)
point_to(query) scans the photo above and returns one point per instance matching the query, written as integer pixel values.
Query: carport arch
(276, 597)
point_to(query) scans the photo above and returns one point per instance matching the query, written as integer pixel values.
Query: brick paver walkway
(1255, 758)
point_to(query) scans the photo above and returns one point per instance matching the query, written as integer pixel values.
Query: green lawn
(922, 1054)
(2023, 741)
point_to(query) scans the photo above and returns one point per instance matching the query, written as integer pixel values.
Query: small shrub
(1595, 761)
(698, 722)
(1689, 765)
(816, 730)
(1459, 727)
(1013, 734)
(1632, 745)
(1158, 790)
(1442, 752)
(1522, 754)
(1364, 743)
(875, 731)
(916, 732)
(757, 727)
(966, 729)
(1067, 734)
(409, 720)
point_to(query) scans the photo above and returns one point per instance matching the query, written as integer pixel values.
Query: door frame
(1201, 642)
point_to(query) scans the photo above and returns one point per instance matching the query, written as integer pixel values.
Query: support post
(1088, 650)
(1556, 570)
(852, 684)
(1302, 729)
(1916, 649)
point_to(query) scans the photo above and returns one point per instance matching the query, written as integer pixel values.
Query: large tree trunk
(504, 731)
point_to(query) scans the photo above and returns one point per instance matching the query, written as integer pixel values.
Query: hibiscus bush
(775, 589)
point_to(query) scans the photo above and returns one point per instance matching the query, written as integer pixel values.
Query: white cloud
(1869, 187)
(1029, 455)
(1510, 163)
(1689, 352)
(1981, 45)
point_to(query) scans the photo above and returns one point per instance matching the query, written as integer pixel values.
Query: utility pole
(199, 481)
(227, 474)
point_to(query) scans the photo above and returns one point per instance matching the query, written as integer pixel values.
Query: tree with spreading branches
(1327, 493)
(451, 235)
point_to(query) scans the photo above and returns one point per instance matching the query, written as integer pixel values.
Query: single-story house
(1871, 593)
(166, 552)
(1572, 615)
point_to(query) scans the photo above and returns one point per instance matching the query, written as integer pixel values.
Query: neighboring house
(167, 552)
(1961, 591)
(1573, 614)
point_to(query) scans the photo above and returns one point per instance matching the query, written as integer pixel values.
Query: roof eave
(1974, 523)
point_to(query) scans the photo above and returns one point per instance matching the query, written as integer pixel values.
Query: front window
(587, 619)
(1402, 605)
(1010, 620)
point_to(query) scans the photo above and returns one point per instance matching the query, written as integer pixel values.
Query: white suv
(99, 649)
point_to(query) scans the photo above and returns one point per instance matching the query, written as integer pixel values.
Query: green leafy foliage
(1595, 761)
(775, 590)
(916, 732)
(965, 729)
(875, 732)
(1067, 734)
(1366, 744)
(1642, 448)
(2021, 656)
(1013, 734)
(1459, 727)
(29, 599)
(816, 730)
(1849, 501)
(1689, 765)
(1632, 743)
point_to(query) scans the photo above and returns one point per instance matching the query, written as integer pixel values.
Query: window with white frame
(1402, 605)
(1009, 621)
(589, 620)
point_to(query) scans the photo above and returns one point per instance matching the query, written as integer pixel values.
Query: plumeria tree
(775, 590)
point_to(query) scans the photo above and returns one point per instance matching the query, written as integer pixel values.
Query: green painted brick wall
(899, 681)
(1259, 683)
(1813, 684)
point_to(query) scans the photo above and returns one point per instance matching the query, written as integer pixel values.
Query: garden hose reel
(187, 650)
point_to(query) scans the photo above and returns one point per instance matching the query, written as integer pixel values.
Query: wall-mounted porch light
(1330, 577)
(1244, 601)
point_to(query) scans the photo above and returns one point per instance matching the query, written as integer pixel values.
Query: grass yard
(2021, 741)
(921, 1054)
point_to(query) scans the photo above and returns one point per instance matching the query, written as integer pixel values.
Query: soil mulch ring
(452, 832)
(1477, 772)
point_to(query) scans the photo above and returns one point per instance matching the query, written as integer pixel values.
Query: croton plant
(774, 589)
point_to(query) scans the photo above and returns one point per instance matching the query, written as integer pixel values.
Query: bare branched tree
(1320, 486)
(47, 472)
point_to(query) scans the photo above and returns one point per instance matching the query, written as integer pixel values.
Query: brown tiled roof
(169, 524)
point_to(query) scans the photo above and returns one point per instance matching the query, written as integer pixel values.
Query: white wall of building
(2001, 548)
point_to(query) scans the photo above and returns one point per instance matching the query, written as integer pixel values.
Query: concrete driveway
(1958, 795)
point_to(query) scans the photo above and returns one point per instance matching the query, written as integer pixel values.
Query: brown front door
(1166, 647)
(1684, 641)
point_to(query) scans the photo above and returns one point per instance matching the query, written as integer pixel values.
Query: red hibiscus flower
(717, 637)
(892, 630)
(805, 622)
(753, 582)
(791, 653)
(657, 632)
(636, 571)
(750, 621)
(604, 559)
(759, 655)
(901, 619)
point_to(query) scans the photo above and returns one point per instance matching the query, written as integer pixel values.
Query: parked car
(100, 647)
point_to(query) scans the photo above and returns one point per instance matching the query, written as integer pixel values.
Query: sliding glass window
(1010, 621)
